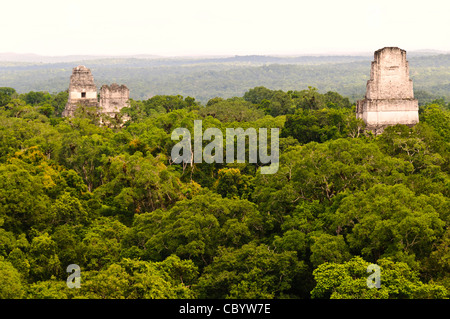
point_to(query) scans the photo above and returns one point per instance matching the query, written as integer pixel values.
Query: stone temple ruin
(113, 98)
(83, 91)
(389, 96)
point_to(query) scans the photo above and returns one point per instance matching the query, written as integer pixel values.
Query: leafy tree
(322, 125)
(349, 281)
(323, 171)
(252, 271)
(439, 119)
(391, 221)
(232, 110)
(258, 94)
(138, 279)
(101, 246)
(145, 136)
(171, 278)
(272, 102)
(68, 210)
(7, 242)
(328, 248)
(110, 283)
(59, 101)
(44, 261)
(70, 247)
(437, 266)
(335, 100)
(49, 289)
(309, 99)
(7, 90)
(232, 184)
(12, 286)
(214, 101)
(167, 103)
(195, 228)
(137, 184)
(24, 203)
(36, 98)
(82, 150)
(4, 99)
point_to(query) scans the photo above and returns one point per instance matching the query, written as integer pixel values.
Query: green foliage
(348, 281)
(322, 125)
(277, 102)
(329, 248)
(11, 287)
(137, 184)
(4, 99)
(133, 279)
(8, 91)
(232, 184)
(49, 289)
(102, 243)
(232, 110)
(24, 203)
(252, 271)
(391, 221)
(439, 119)
(44, 261)
(159, 104)
(195, 228)
(110, 199)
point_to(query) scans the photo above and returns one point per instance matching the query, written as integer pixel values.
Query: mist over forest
(207, 77)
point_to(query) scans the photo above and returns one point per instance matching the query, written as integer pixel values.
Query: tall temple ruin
(83, 91)
(113, 98)
(389, 98)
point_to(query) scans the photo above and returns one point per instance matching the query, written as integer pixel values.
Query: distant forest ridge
(207, 77)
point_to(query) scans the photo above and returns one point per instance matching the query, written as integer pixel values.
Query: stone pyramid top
(389, 75)
(82, 78)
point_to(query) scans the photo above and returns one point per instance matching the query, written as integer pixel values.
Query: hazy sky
(204, 27)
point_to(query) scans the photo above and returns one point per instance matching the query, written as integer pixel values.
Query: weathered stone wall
(113, 98)
(389, 78)
(82, 90)
(389, 96)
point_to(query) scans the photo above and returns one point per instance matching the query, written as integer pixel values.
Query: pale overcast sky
(208, 27)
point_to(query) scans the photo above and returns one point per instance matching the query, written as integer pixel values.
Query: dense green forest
(109, 199)
(208, 77)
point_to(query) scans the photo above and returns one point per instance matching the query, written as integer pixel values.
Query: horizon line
(271, 54)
